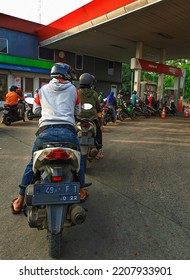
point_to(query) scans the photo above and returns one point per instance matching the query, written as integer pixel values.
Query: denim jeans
(51, 134)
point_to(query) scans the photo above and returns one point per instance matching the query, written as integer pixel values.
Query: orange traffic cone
(163, 116)
(187, 111)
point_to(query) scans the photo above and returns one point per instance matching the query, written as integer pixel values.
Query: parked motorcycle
(53, 201)
(154, 111)
(86, 130)
(11, 114)
(124, 112)
(171, 110)
(29, 107)
(141, 110)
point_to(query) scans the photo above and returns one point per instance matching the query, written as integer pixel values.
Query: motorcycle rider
(90, 96)
(58, 102)
(112, 104)
(12, 99)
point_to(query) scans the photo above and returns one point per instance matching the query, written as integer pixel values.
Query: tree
(126, 78)
(183, 64)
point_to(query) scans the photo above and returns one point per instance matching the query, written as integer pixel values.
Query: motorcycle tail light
(105, 109)
(59, 154)
(84, 133)
(56, 178)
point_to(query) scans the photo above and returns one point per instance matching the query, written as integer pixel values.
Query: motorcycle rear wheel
(29, 116)
(55, 241)
(7, 120)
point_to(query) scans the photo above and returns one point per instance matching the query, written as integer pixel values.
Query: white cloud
(43, 11)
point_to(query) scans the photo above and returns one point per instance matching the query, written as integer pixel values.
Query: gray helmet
(61, 70)
(86, 80)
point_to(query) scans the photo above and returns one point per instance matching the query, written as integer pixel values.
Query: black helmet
(13, 88)
(61, 70)
(86, 80)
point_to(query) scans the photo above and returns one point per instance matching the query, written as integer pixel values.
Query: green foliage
(126, 78)
(183, 64)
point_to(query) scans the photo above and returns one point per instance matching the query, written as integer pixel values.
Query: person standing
(134, 98)
(151, 100)
(58, 102)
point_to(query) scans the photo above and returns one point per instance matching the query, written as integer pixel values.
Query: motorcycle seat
(58, 144)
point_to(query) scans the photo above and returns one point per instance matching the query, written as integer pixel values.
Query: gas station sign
(150, 66)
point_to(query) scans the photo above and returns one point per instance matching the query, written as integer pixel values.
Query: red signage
(151, 66)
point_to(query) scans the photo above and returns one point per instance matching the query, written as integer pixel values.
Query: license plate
(86, 141)
(56, 193)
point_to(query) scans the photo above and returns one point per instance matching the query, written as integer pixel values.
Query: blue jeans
(51, 134)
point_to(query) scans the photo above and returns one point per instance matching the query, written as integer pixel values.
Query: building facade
(23, 62)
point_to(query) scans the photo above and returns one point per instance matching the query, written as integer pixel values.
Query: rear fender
(56, 215)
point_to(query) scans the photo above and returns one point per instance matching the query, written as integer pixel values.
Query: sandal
(12, 208)
(83, 194)
(99, 155)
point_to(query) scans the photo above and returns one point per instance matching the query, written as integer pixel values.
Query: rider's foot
(16, 204)
(99, 155)
(83, 194)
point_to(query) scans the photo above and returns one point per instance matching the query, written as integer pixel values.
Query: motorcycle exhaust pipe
(77, 214)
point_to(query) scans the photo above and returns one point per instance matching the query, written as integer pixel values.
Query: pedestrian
(151, 100)
(134, 98)
(89, 95)
(57, 102)
(145, 98)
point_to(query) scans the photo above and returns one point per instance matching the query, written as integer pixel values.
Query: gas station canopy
(111, 30)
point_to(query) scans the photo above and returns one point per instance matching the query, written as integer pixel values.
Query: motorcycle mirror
(87, 106)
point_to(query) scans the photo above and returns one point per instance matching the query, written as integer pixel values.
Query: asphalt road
(138, 208)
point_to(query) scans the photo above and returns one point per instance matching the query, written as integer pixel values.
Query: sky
(41, 11)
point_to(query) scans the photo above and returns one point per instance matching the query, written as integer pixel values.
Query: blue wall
(20, 44)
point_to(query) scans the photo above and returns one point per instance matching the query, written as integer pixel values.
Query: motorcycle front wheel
(55, 241)
(121, 116)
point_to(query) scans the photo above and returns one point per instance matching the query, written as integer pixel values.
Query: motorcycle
(86, 131)
(171, 110)
(29, 107)
(124, 112)
(154, 111)
(107, 115)
(11, 114)
(53, 201)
